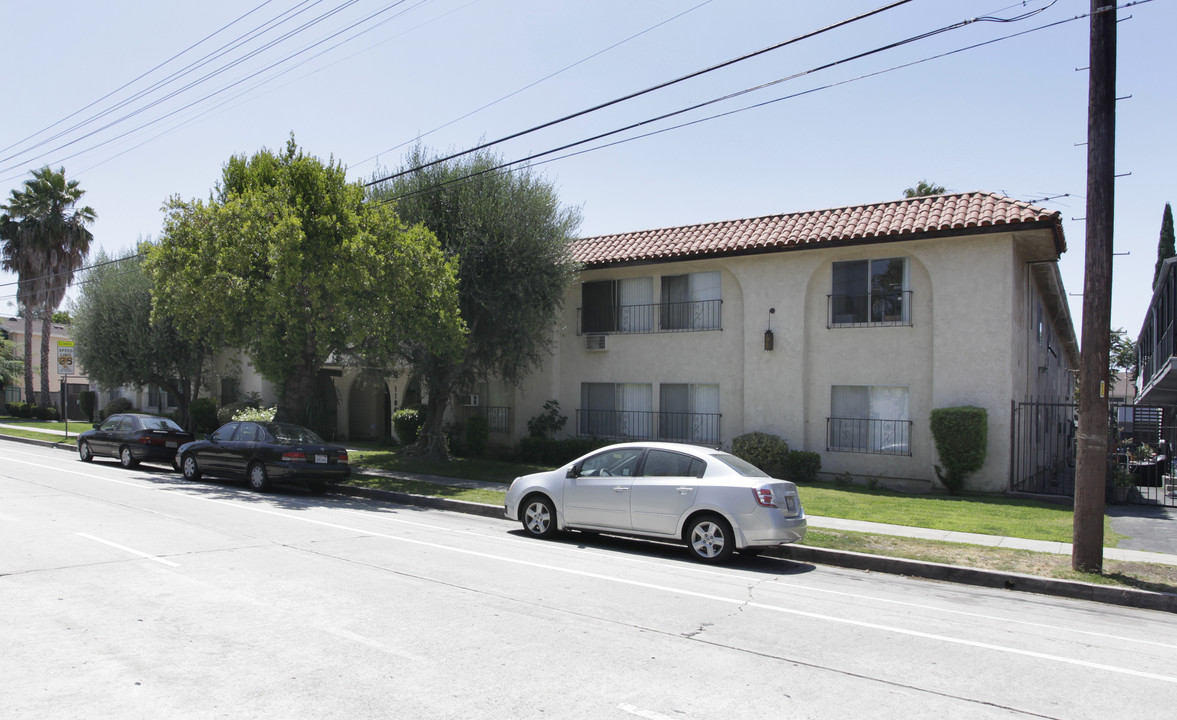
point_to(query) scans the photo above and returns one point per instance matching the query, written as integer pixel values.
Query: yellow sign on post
(65, 357)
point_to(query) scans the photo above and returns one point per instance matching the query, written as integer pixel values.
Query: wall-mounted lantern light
(768, 338)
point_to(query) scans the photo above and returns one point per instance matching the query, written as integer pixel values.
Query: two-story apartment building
(839, 330)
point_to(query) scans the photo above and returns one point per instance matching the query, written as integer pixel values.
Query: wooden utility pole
(1092, 461)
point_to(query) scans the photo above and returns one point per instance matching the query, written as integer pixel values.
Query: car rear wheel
(85, 454)
(258, 479)
(539, 517)
(710, 538)
(189, 467)
(126, 459)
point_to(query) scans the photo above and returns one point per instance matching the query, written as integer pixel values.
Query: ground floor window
(689, 412)
(616, 410)
(869, 419)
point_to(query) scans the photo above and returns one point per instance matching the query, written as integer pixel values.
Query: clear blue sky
(1008, 117)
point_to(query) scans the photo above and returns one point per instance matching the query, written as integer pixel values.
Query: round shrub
(118, 405)
(961, 435)
(802, 466)
(202, 415)
(408, 423)
(763, 450)
(226, 413)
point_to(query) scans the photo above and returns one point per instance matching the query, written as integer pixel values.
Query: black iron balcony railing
(694, 316)
(877, 437)
(891, 307)
(699, 428)
(498, 419)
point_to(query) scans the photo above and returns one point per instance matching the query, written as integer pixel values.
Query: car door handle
(685, 490)
(620, 488)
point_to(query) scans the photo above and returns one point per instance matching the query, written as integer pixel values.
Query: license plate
(171, 443)
(321, 459)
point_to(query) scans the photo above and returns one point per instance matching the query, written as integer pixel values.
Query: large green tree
(10, 366)
(509, 234)
(1165, 246)
(288, 262)
(46, 241)
(119, 341)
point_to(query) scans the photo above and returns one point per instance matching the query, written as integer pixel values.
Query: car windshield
(293, 435)
(159, 423)
(743, 467)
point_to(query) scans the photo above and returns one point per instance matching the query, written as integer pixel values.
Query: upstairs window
(870, 292)
(691, 302)
(617, 306)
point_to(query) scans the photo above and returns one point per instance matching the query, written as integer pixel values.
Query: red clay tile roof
(897, 220)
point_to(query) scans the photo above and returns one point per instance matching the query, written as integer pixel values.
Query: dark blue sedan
(263, 453)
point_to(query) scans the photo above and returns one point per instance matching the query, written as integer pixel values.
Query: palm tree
(45, 242)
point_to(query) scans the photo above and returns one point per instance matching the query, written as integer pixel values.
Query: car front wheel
(85, 454)
(189, 467)
(710, 538)
(539, 517)
(258, 480)
(126, 459)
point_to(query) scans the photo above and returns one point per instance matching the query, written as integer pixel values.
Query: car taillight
(150, 440)
(343, 456)
(763, 497)
(294, 456)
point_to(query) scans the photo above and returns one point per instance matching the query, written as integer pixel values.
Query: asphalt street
(134, 594)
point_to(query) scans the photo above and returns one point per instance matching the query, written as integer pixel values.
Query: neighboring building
(1154, 413)
(61, 365)
(839, 330)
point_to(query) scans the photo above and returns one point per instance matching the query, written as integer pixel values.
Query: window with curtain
(621, 306)
(616, 410)
(870, 292)
(689, 412)
(869, 418)
(691, 302)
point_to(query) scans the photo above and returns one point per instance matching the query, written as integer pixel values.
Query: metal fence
(864, 435)
(692, 316)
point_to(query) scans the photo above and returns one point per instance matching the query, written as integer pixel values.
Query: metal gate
(1042, 457)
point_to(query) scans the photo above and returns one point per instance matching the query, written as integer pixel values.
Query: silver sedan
(713, 501)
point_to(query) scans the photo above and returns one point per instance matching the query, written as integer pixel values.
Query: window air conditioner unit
(469, 400)
(596, 342)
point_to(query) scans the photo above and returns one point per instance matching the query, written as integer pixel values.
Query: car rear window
(743, 467)
(159, 423)
(293, 435)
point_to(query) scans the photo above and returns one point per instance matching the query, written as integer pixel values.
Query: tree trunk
(432, 443)
(28, 317)
(46, 328)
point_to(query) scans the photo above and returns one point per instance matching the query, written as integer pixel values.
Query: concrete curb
(1129, 597)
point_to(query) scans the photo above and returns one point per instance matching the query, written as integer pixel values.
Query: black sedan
(133, 438)
(263, 453)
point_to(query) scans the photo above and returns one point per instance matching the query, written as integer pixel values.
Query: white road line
(633, 710)
(678, 591)
(124, 548)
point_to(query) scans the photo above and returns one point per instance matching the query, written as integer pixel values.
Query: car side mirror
(573, 472)
(95, 426)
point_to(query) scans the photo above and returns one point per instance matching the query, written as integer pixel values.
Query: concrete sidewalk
(56, 433)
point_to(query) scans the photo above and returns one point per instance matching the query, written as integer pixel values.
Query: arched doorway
(369, 401)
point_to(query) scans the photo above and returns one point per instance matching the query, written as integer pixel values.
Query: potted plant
(1122, 484)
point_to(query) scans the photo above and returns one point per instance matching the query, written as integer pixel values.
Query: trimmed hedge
(962, 440)
(802, 466)
(202, 415)
(88, 403)
(763, 450)
(546, 451)
(118, 405)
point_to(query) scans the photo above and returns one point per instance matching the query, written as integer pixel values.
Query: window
(249, 432)
(225, 433)
(689, 412)
(616, 410)
(622, 463)
(869, 419)
(691, 302)
(663, 463)
(622, 306)
(870, 292)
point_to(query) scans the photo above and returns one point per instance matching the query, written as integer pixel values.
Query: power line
(537, 82)
(664, 116)
(648, 90)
